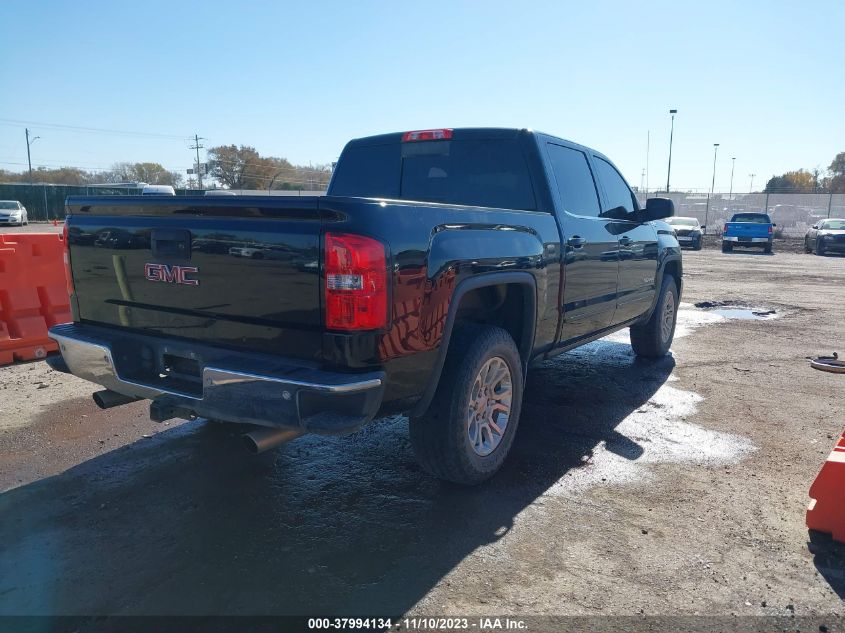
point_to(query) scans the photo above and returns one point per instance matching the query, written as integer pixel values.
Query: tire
(807, 248)
(768, 248)
(698, 245)
(653, 338)
(727, 247)
(442, 438)
(819, 247)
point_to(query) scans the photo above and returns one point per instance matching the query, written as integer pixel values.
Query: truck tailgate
(747, 229)
(223, 271)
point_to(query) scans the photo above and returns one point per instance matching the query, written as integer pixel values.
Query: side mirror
(703, 227)
(773, 224)
(656, 209)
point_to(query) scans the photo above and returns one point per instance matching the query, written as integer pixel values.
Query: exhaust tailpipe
(262, 440)
(106, 399)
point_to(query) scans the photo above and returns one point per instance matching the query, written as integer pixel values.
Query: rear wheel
(653, 338)
(768, 248)
(727, 247)
(468, 430)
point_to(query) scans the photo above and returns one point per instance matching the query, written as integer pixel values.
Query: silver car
(12, 213)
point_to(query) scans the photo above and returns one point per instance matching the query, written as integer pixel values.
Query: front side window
(620, 200)
(574, 180)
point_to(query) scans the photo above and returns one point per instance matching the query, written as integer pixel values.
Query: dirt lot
(673, 487)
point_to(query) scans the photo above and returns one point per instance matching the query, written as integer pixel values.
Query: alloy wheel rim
(668, 318)
(489, 406)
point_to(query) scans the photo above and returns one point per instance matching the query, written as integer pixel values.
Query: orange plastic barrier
(826, 512)
(33, 294)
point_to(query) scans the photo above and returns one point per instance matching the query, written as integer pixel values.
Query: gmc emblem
(171, 274)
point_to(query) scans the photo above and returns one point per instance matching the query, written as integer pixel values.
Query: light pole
(733, 164)
(673, 112)
(751, 186)
(29, 141)
(712, 186)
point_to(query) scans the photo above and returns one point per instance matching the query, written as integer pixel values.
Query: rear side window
(574, 181)
(617, 192)
(474, 172)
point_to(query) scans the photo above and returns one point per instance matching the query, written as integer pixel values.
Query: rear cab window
(756, 218)
(471, 171)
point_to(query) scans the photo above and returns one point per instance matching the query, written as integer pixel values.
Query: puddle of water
(744, 313)
(733, 311)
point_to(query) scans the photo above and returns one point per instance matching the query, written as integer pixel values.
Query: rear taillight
(770, 229)
(66, 257)
(440, 134)
(356, 282)
(725, 230)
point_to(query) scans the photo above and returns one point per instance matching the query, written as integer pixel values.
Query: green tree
(836, 183)
(799, 181)
(150, 173)
(241, 167)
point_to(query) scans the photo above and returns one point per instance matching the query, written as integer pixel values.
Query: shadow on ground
(187, 523)
(829, 559)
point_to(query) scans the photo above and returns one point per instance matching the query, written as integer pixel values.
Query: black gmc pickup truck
(438, 267)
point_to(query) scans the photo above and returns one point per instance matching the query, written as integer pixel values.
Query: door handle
(624, 241)
(576, 241)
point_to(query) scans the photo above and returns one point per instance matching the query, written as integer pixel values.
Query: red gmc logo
(171, 274)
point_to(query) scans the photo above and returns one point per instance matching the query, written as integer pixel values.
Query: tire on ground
(440, 437)
(651, 339)
(726, 247)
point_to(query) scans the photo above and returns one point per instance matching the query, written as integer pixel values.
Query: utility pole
(198, 147)
(751, 186)
(28, 159)
(673, 112)
(712, 186)
(647, 148)
(733, 164)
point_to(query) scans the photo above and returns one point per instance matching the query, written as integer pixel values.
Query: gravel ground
(676, 487)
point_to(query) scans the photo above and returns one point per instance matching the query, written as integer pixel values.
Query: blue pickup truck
(748, 230)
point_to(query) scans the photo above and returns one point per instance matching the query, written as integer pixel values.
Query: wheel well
(504, 305)
(673, 268)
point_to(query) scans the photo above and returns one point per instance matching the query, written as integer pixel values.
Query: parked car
(440, 265)
(748, 229)
(689, 232)
(13, 213)
(158, 190)
(825, 236)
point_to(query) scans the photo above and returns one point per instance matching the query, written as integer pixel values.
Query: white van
(158, 190)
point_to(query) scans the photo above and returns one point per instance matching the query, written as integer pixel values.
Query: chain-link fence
(794, 213)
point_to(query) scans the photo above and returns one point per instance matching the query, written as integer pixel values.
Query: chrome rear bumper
(755, 240)
(230, 387)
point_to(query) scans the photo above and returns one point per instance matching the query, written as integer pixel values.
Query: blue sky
(298, 79)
